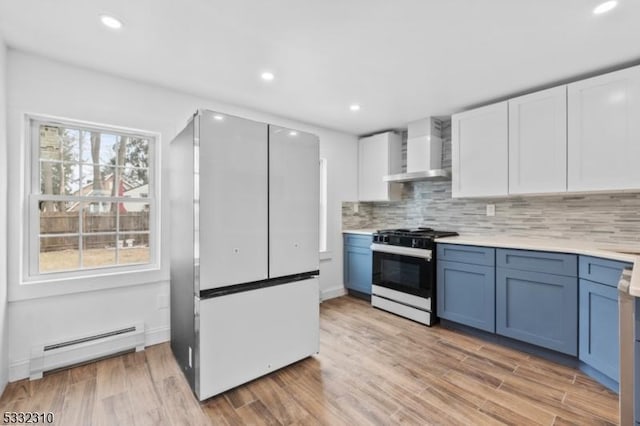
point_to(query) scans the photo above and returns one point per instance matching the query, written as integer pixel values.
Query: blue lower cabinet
(599, 337)
(466, 294)
(358, 265)
(637, 381)
(538, 308)
(637, 327)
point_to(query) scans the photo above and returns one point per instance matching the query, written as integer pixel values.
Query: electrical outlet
(356, 207)
(491, 209)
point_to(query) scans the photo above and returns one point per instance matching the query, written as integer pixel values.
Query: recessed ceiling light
(354, 107)
(605, 7)
(293, 133)
(218, 117)
(111, 22)
(267, 76)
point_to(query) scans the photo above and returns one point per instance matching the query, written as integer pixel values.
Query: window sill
(326, 255)
(58, 286)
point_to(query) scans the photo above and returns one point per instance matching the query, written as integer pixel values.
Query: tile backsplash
(597, 217)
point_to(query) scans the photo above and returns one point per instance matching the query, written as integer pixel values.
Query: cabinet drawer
(538, 261)
(602, 271)
(357, 240)
(466, 254)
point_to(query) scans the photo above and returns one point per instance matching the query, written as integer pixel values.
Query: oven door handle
(402, 251)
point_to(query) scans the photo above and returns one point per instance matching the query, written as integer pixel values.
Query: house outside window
(92, 199)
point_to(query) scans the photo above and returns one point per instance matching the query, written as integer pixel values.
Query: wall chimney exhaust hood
(424, 153)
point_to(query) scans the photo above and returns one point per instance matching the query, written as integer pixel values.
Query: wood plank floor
(374, 368)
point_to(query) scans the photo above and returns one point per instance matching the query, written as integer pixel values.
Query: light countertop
(359, 231)
(621, 252)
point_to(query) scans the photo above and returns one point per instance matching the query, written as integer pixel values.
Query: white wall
(39, 85)
(3, 220)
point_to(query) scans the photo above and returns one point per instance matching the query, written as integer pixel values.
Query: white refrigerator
(244, 249)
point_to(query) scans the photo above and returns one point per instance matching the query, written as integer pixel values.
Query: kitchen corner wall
(611, 218)
(43, 86)
(4, 368)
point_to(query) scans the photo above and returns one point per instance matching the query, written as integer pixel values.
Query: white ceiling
(400, 59)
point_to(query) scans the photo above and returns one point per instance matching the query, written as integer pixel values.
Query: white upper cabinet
(538, 142)
(604, 132)
(480, 152)
(378, 156)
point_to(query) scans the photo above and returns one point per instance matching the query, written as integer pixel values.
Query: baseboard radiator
(54, 356)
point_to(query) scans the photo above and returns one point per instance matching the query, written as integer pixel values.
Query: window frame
(32, 196)
(324, 200)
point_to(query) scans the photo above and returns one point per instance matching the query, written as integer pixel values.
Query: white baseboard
(4, 369)
(157, 335)
(332, 293)
(20, 369)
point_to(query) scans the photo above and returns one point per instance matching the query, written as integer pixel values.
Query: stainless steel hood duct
(424, 153)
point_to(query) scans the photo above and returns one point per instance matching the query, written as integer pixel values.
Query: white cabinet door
(480, 152)
(604, 132)
(294, 202)
(538, 142)
(378, 156)
(233, 207)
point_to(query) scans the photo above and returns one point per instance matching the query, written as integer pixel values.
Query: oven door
(403, 269)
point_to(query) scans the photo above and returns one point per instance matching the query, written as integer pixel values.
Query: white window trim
(52, 283)
(324, 210)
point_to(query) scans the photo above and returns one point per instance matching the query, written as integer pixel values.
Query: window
(92, 198)
(323, 204)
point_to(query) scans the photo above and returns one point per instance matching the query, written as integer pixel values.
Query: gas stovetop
(416, 237)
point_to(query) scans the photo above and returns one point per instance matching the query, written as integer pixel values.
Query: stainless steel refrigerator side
(195, 354)
(181, 184)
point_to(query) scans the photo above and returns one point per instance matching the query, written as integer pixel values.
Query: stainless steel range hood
(433, 174)
(424, 153)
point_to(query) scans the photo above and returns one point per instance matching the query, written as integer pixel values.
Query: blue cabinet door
(538, 308)
(466, 294)
(358, 266)
(599, 338)
(637, 381)
(638, 321)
